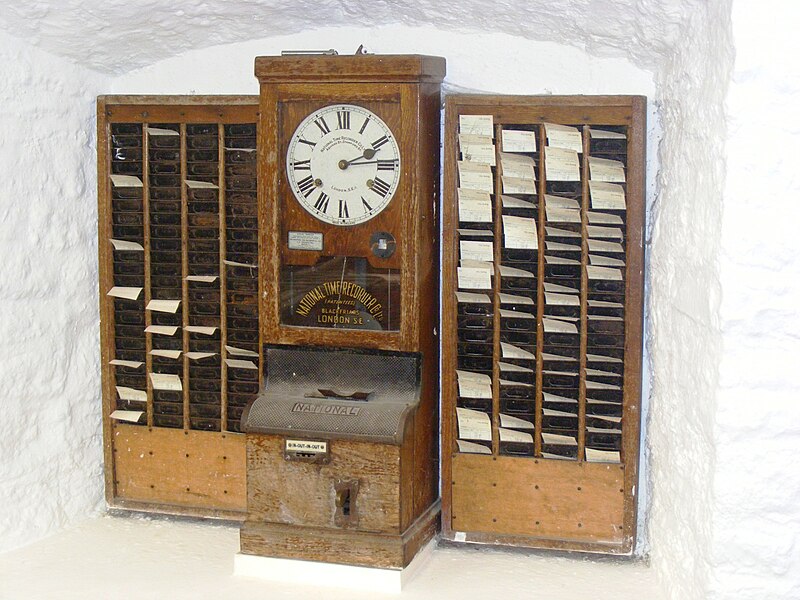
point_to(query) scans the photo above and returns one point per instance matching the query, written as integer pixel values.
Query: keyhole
(345, 500)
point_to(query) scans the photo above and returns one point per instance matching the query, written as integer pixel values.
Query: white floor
(141, 558)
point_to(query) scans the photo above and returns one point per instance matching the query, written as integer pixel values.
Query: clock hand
(367, 154)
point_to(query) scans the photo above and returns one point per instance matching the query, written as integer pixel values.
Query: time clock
(343, 164)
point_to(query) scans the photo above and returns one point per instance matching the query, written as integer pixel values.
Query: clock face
(343, 164)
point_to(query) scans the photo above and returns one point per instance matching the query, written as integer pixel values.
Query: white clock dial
(343, 164)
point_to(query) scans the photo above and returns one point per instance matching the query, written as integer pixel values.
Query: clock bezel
(298, 143)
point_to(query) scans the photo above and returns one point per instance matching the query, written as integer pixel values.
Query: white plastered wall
(50, 457)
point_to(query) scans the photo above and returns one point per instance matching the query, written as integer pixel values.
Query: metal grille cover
(293, 401)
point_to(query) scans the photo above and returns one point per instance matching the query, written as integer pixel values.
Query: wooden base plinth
(342, 546)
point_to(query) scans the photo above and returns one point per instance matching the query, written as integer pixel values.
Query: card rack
(178, 246)
(542, 320)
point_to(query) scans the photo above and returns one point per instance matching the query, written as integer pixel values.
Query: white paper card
(563, 215)
(516, 185)
(511, 435)
(474, 206)
(607, 196)
(168, 306)
(234, 351)
(511, 368)
(470, 448)
(558, 440)
(173, 354)
(556, 232)
(127, 393)
(520, 167)
(233, 263)
(506, 271)
(472, 388)
(200, 185)
(559, 247)
(518, 140)
(563, 136)
(126, 245)
(199, 355)
(129, 293)
(514, 422)
(561, 299)
(202, 278)
(561, 202)
(512, 202)
(201, 329)
(520, 232)
(603, 169)
(605, 456)
(126, 181)
(470, 250)
(161, 131)
(513, 299)
(514, 352)
(472, 278)
(472, 297)
(473, 425)
(131, 364)
(611, 233)
(602, 134)
(470, 376)
(547, 397)
(237, 363)
(598, 218)
(605, 246)
(475, 176)
(561, 164)
(165, 381)
(129, 416)
(477, 148)
(476, 124)
(558, 326)
(161, 329)
(604, 273)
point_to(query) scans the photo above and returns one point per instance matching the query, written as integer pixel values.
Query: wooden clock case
(404, 91)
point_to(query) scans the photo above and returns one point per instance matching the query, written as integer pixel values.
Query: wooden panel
(193, 468)
(542, 498)
(302, 493)
(603, 394)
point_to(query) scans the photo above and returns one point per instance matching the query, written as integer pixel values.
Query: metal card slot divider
(148, 344)
(497, 249)
(540, 300)
(584, 294)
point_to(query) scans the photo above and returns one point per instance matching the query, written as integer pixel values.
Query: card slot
(202, 207)
(242, 198)
(517, 392)
(118, 129)
(164, 293)
(202, 142)
(522, 408)
(161, 318)
(126, 232)
(242, 235)
(242, 323)
(560, 424)
(480, 404)
(518, 257)
(603, 410)
(162, 282)
(561, 272)
(473, 322)
(204, 385)
(475, 335)
(239, 157)
(521, 449)
(237, 310)
(242, 387)
(165, 168)
(240, 210)
(204, 398)
(605, 395)
(120, 140)
(562, 340)
(137, 381)
(131, 405)
(242, 375)
(240, 170)
(165, 245)
(606, 327)
(568, 189)
(203, 372)
(165, 268)
(474, 349)
(164, 193)
(168, 421)
(242, 252)
(118, 193)
(235, 413)
(203, 195)
(164, 181)
(202, 169)
(168, 408)
(603, 340)
(165, 231)
(129, 280)
(479, 364)
(169, 207)
(129, 317)
(240, 183)
(204, 308)
(468, 309)
(240, 400)
(205, 411)
(565, 452)
(241, 298)
(129, 218)
(604, 441)
(123, 344)
(200, 424)
(240, 130)
(203, 234)
(167, 342)
(130, 305)
(128, 331)
(126, 206)
(523, 339)
(238, 336)
(552, 382)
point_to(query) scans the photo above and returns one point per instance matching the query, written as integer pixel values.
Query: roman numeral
(343, 118)
(322, 125)
(322, 202)
(343, 212)
(364, 126)
(380, 187)
(380, 142)
(302, 141)
(306, 186)
(366, 204)
(387, 165)
(302, 165)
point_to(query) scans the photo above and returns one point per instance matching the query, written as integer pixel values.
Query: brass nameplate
(326, 409)
(313, 451)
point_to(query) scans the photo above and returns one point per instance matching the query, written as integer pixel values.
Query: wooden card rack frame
(180, 332)
(543, 222)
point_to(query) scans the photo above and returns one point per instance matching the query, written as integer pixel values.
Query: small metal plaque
(313, 451)
(305, 240)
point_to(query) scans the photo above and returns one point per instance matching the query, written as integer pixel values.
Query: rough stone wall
(50, 443)
(756, 551)
(685, 340)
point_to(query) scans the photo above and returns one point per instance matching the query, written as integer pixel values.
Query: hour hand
(366, 155)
